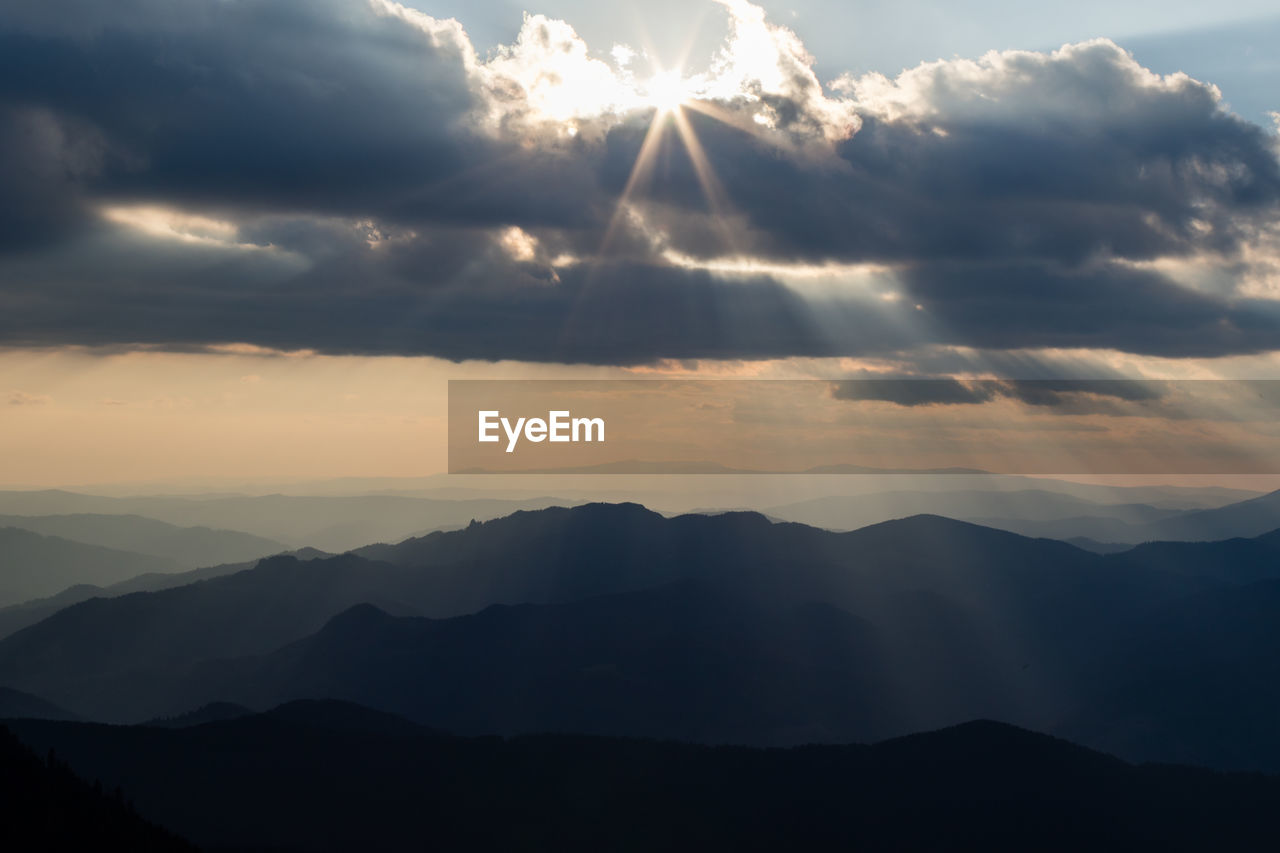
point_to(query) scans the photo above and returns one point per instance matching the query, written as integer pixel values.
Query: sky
(257, 238)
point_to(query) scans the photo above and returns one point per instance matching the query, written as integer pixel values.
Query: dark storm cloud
(914, 392)
(42, 162)
(252, 104)
(1061, 396)
(1065, 392)
(1048, 393)
(458, 293)
(1104, 306)
(457, 297)
(319, 106)
(366, 166)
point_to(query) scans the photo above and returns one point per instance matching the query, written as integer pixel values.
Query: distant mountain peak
(17, 704)
(358, 617)
(929, 523)
(210, 712)
(338, 715)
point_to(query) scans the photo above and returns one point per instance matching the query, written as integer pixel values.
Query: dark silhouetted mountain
(188, 547)
(33, 566)
(1197, 681)
(15, 703)
(109, 648)
(327, 714)
(1098, 547)
(271, 782)
(715, 628)
(562, 554)
(212, 712)
(155, 582)
(1231, 561)
(678, 662)
(995, 601)
(44, 806)
(332, 715)
(15, 617)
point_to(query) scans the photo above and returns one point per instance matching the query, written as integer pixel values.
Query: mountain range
(1048, 514)
(46, 806)
(603, 676)
(329, 523)
(313, 776)
(975, 575)
(35, 566)
(186, 547)
(17, 616)
(613, 619)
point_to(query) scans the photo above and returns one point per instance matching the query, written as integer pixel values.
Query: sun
(673, 97)
(666, 91)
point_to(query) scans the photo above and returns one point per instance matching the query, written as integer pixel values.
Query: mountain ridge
(974, 622)
(977, 785)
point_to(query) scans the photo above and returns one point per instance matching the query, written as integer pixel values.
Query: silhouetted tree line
(45, 806)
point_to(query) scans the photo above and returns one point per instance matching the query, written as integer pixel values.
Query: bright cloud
(548, 75)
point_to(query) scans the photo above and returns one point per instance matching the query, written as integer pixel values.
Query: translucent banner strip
(1041, 426)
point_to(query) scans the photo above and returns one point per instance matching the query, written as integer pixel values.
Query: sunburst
(673, 96)
(670, 95)
(667, 91)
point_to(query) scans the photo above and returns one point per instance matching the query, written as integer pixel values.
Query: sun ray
(667, 92)
(640, 170)
(734, 120)
(712, 189)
